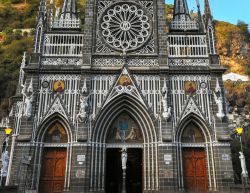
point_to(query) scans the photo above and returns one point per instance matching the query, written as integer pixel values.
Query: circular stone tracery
(125, 27)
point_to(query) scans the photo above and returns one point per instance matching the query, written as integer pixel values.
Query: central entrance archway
(134, 171)
(124, 123)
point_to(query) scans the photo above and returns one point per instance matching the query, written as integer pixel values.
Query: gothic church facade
(127, 80)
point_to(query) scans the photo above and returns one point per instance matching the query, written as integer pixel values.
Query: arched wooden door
(194, 161)
(53, 161)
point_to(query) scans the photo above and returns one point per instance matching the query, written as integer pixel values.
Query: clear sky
(225, 10)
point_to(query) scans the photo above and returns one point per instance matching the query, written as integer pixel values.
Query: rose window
(125, 27)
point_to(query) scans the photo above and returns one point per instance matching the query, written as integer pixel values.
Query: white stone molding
(56, 107)
(151, 90)
(188, 62)
(100, 87)
(70, 96)
(203, 95)
(191, 107)
(124, 89)
(62, 61)
(130, 62)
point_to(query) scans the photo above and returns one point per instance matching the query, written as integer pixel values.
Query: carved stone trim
(188, 62)
(62, 61)
(120, 62)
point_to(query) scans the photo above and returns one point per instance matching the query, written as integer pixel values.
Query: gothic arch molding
(120, 104)
(203, 126)
(124, 103)
(207, 145)
(45, 125)
(39, 139)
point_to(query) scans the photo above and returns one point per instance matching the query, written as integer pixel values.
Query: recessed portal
(114, 171)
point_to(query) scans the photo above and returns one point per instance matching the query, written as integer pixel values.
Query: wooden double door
(53, 170)
(113, 180)
(194, 170)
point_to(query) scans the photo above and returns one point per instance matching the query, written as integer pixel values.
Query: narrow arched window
(211, 40)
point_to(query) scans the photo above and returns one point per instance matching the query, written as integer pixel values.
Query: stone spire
(200, 19)
(181, 18)
(181, 12)
(42, 9)
(69, 10)
(207, 10)
(68, 18)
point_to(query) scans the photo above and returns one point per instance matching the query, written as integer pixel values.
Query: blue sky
(225, 10)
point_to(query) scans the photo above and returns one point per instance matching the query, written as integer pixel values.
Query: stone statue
(27, 99)
(219, 102)
(28, 105)
(124, 157)
(5, 163)
(166, 110)
(83, 105)
(244, 172)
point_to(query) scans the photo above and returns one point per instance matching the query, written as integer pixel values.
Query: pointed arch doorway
(194, 160)
(124, 132)
(53, 161)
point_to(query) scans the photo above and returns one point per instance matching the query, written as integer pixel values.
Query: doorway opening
(134, 174)
(53, 170)
(52, 175)
(194, 161)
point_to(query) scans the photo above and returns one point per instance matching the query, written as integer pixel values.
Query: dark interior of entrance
(114, 171)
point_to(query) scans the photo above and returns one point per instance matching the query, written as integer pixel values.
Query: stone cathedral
(125, 104)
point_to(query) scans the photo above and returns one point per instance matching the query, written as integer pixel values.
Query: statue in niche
(27, 100)
(83, 105)
(219, 101)
(166, 110)
(5, 163)
(124, 157)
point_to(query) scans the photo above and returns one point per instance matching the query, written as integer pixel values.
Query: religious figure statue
(117, 134)
(27, 100)
(83, 105)
(166, 110)
(132, 134)
(219, 102)
(244, 172)
(5, 163)
(28, 105)
(124, 157)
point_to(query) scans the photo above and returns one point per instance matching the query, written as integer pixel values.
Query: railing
(184, 25)
(63, 45)
(187, 46)
(66, 23)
